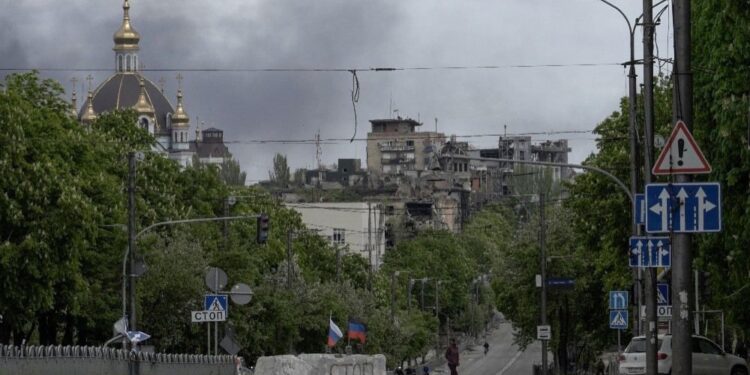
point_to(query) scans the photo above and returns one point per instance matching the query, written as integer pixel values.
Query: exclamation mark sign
(680, 151)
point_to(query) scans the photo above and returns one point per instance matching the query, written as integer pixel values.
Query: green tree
(721, 51)
(280, 175)
(231, 173)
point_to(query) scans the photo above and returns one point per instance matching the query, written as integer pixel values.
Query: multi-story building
(394, 146)
(357, 226)
(491, 179)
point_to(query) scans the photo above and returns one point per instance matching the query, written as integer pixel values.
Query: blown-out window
(339, 236)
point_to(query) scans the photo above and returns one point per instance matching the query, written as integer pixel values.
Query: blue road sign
(639, 209)
(560, 282)
(650, 252)
(618, 299)
(691, 207)
(215, 302)
(662, 294)
(618, 319)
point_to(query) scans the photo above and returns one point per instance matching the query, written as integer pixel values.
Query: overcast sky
(350, 34)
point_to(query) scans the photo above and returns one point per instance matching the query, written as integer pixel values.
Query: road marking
(512, 361)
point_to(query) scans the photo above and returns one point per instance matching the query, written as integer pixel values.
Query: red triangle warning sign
(681, 155)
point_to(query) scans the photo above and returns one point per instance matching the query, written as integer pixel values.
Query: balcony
(395, 148)
(397, 160)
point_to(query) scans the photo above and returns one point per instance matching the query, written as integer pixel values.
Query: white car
(708, 358)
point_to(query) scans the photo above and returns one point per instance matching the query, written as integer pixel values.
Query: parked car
(708, 358)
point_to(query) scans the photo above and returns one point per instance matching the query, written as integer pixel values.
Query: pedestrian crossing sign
(662, 294)
(215, 302)
(618, 319)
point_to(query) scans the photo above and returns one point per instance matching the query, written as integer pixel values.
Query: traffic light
(262, 234)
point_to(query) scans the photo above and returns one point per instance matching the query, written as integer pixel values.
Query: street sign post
(618, 319)
(649, 252)
(618, 300)
(662, 296)
(681, 155)
(639, 209)
(662, 311)
(560, 282)
(543, 332)
(208, 316)
(689, 207)
(215, 302)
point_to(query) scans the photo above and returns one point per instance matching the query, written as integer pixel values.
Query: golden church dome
(180, 117)
(126, 38)
(143, 106)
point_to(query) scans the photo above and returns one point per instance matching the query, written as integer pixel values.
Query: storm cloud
(347, 34)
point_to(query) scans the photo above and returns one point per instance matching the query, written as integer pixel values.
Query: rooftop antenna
(318, 151)
(390, 105)
(436, 121)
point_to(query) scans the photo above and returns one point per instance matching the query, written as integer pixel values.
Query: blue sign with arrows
(691, 207)
(618, 299)
(648, 252)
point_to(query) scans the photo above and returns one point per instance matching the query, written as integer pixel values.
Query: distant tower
(318, 151)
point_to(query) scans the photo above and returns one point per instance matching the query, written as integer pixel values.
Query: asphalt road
(503, 358)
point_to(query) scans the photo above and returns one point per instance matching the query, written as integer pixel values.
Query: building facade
(394, 146)
(356, 226)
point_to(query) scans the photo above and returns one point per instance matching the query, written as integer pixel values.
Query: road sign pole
(543, 265)
(683, 257)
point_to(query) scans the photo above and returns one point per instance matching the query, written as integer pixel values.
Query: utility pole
(408, 292)
(543, 265)
(369, 244)
(648, 110)
(225, 227)
(338, 264)
(393, 296)
(437, 316)
(131, 237)
(681, 242)
(288, 259)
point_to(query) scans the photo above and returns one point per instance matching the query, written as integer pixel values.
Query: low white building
(352, 225)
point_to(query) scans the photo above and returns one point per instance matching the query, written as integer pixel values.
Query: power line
(321, 70)
(410, 136)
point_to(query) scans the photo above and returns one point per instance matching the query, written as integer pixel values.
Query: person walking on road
(486, 347)
(451, 355)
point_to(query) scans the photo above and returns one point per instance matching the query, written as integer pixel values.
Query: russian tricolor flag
(357, 331)
(334, 333)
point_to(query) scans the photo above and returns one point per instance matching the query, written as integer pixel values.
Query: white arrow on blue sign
(215, 302)
(618, 299)
(691, 207)
(662, 294)
(618, 319)
(650, 252)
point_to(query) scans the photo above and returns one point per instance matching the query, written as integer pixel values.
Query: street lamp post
(635, 230)
(394, 275)
(130, 256)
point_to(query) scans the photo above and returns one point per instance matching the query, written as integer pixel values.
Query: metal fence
(97, 360)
